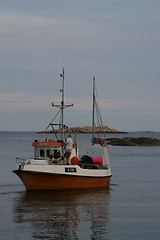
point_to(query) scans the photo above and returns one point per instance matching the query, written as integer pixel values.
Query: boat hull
(51, 181)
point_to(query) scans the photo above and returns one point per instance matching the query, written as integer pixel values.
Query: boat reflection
(64, 215)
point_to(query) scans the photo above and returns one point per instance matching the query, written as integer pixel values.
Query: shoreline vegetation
(126, 141)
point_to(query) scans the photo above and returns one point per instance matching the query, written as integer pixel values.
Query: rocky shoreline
(130, 141)
(126, 141)
(88, 129)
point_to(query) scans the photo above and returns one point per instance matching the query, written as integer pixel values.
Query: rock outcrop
(88, 129)
(130, 141)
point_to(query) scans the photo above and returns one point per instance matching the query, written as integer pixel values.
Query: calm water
(129, 210)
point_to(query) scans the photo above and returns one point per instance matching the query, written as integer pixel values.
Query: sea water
(129, 210)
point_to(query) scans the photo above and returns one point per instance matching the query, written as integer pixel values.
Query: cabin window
(48, 153)
(56, 154)
(42, 153)
(36, 152)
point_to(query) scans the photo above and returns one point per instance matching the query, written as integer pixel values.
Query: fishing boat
(52, 168)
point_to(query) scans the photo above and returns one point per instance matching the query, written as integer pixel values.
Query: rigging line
(60, 123)
(98, 107)
(99, 118)
(51, 121)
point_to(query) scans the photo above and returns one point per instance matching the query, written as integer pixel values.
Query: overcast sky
(117, 41)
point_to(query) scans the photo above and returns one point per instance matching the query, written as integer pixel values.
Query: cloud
(6, 35)
(21, 101)
(117, 41)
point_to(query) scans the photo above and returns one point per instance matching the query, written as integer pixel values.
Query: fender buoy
(97, 160)
(74, 161)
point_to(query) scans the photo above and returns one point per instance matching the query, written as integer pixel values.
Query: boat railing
(88, 166)
(92, 166)
(23, 160)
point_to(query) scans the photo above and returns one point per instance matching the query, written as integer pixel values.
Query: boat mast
(62, 105)
(96, 114)
(93, 109)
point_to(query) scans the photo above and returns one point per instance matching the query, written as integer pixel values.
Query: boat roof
(47, 144)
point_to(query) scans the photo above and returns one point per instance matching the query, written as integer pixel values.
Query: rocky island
(131, 141)
(88, 129)
(116, 141)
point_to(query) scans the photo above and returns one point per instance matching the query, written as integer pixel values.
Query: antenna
(62, 106)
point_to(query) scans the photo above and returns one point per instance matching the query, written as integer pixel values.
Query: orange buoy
(74, 161)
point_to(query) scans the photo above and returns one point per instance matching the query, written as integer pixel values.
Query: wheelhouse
(48, 149)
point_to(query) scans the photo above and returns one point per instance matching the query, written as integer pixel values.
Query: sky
(117, 41)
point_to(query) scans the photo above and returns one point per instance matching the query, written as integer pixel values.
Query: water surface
(129, 210)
